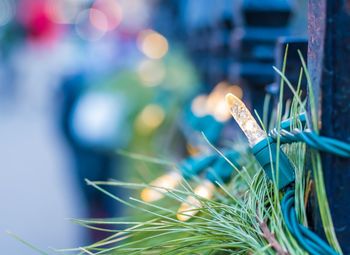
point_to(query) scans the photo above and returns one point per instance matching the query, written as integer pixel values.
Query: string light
(160, 185)
(150, 118)
(264, 148)
(152, 44)
(198, 106)
(214, 104)
(191, 206)
(217, 94)
(189, 168)
(245, 120)
(221, 113)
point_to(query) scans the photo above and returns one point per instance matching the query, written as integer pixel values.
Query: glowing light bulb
(245, 120)
(215, 103)
(190, 208)
(198, 106)
(152, 44)
(150, 118)
(216, 95)
(236, 90)
(192, 150)
(221, 112)
(167, 181)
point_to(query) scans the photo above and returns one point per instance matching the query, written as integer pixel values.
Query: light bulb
(167, 181)
(245, 120)
(216, 95)
(265, 152)
(221, 112)
(190, 208)
(216, 105)
(198, 106)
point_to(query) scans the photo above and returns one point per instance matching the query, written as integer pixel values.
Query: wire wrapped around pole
(313, 140)
(306, 238)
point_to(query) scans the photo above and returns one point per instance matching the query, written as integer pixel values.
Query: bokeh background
(87, 85)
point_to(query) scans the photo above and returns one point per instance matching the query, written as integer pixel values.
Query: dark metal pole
(295, 45)
(328, 60)
(263, 23)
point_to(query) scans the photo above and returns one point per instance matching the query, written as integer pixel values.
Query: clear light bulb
(167, 181)
(245, 120)
(190, 208)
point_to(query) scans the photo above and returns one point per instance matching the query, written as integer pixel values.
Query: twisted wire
(313, 140)
(312, 243)
(305, 237)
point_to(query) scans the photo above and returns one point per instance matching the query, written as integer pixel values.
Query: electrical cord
(312, 139)
(305, 237)
(267, 153)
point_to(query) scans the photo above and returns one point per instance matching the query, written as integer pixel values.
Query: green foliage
(244, 217)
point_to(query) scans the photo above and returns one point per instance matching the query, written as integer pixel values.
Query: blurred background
(83, 82)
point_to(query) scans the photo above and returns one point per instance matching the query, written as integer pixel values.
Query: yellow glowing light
(151, 72)
(152, 44)
(198, 106)
(221, 112)
(160, 185)
(150, 118)
(245, 120)
(216, 95)
(236, 90)
(190, 208)
(192, 150)
(216, 104)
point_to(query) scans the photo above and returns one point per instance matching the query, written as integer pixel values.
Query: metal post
(328, 60)
(295, 44)
(255, 41)
(220, 48)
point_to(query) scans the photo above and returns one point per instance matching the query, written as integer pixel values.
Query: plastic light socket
(195, 166)
(222, 170)
(265, 153)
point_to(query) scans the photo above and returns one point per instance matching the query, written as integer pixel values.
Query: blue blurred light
(98, 120)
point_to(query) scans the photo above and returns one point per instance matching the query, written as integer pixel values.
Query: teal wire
(286, 210)
(305, 237)
(312, 139)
